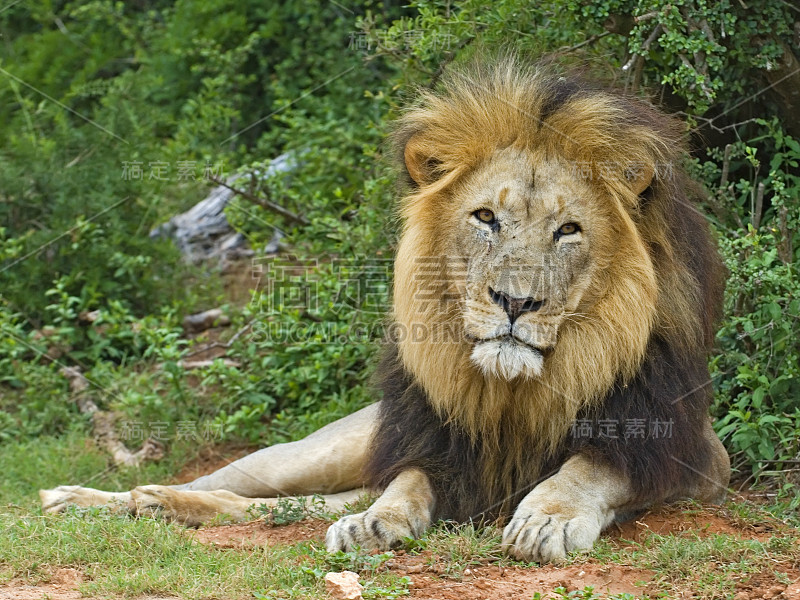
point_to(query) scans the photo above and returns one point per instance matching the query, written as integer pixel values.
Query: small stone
(344, 585)
(742, 596)
(792, 592)
(89, 316)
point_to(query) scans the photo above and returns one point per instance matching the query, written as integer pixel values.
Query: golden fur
(451, 137)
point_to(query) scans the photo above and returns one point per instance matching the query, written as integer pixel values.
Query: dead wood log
(103, 425)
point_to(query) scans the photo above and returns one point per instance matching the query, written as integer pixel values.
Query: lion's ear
(421, 164)
(641, 180)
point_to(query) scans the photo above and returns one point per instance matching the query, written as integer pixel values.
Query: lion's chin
(507, 358)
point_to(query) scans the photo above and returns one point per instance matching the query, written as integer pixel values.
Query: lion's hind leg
(194, 507)
(57, 499)
(330, 461)
(188, 507)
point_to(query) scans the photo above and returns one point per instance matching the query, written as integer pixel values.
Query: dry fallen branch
(726, 165)
(103, 425)
(646, 16)
(263, 202)
(637, 59)
(202, 364)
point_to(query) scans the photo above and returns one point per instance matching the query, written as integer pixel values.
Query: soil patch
(765, 586)
(260, 533)
(63, 585)
(702, 522)
(493, 581)
(434, 578)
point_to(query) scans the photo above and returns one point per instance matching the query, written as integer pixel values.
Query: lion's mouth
(514, 339)
(511, 339)
(507, 357)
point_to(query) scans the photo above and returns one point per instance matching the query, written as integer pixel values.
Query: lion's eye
(485, 216)
(566, 229)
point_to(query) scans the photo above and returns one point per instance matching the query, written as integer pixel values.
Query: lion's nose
(515, 307)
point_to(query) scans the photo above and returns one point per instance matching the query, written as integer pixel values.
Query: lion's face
(527, 238)
(535, 263)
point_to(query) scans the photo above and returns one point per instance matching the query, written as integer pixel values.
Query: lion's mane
(639, 355)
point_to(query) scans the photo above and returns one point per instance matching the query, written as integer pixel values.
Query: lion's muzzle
(508, 358)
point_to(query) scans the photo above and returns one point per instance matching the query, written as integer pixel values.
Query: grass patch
(455, 547)
(132, 557)
(125, 557)
(292, 510)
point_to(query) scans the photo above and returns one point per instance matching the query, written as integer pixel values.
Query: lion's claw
(540, 537)
(369, 530)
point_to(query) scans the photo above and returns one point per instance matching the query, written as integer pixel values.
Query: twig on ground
(103, 425)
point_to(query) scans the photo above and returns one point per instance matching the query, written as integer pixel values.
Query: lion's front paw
(57, 499)
(370, 530)
(535, 535)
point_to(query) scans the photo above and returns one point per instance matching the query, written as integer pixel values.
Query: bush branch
(263, 202)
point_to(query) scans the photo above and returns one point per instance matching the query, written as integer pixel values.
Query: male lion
(554, 301)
